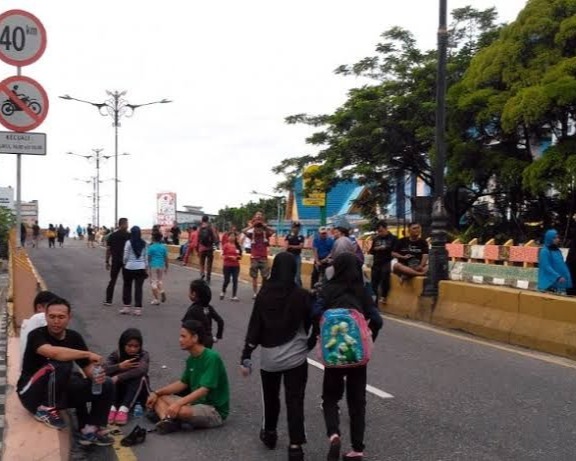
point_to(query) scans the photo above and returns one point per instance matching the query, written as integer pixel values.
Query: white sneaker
(222, 296)
(155, 302)
(234, 298)
(126, 310)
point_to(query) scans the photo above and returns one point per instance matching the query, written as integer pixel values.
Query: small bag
(345, 339)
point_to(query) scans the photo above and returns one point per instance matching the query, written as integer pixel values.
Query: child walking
(158, 264)
(201, 310)
(128, 368)
(232, 254)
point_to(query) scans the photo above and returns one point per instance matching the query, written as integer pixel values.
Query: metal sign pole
(18, 188)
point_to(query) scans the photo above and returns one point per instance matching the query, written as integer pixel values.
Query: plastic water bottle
(138, 411)
(96, 387)
(247, 363)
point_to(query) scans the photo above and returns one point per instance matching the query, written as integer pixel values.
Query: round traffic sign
(23, 103)
(22, 38)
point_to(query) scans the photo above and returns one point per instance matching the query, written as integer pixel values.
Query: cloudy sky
(234, 70)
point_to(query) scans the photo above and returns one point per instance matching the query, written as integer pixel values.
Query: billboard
(166, 208)
(7, 197)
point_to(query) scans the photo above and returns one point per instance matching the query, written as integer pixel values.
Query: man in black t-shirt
(381, 250)
(35, 234)
(294, 245)
(48, 384)
(175, 232)
(411, 254)
(115, 250)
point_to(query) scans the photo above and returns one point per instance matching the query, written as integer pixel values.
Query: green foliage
(239, 216)
(7, 221)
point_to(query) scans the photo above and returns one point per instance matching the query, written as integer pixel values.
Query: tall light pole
(116, 107)
(438, 253)
(279, 199)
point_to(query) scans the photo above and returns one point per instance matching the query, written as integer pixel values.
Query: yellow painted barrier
(487, 311)
(404, 299)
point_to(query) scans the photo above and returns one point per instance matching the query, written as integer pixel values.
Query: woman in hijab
(280, 323)
(553, 273)
(135, 270)
(346, 289)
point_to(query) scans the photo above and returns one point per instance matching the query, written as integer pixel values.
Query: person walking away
(259, 236)
(192, 245)
(128, 368)
(135, 270)
(79, 232)
(115, 244)
(345, 290)
(381, 250)
(48, 384)
(158, 264)
(553, 273)
(90, 233)
(207, 238)
(61, 233)
(23, 235)
(200, 310)
(321, 247)
(294, 246)
(51, 234)
(175, 233)
(35, 234)
(410, 254)
(206, 403)
(280, 324)
(38, 320)
(231, 254)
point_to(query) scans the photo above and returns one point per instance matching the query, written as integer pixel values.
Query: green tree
(239, 216)
(6, 223)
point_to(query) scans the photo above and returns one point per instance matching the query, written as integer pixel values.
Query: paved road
(454, 398)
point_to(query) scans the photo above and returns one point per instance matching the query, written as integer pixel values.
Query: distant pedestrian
(51, 234)
(134, 271)
(91, 235)
(280, 324)
(79, 232)
(259, 234)
(175, 233)
(192, 247)
(294, 246)
(158, 266)
(61, 233)
(23, 234)
(35, 234)
(201, 310)
(207, 238)
(115, 244)
(128, 368)
(231, 255)
(553, 273)
(381, 250)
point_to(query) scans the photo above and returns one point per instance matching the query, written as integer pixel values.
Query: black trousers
(138, 277)
(381, 279)
(51, 242)
(294, 389)
(115, 269)
(55, 385)
(129, 392)
(231, 272)
(206, 260)
(332, 392)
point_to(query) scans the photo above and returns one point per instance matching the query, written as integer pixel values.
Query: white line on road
(373, 390)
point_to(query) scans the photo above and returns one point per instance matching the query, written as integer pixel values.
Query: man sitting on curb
(205, 382)
(47, 382)
(410, 254)
(37, 320)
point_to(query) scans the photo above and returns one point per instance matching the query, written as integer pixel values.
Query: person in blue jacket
(553, 273)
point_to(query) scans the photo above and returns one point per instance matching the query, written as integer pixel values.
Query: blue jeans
(298, 278)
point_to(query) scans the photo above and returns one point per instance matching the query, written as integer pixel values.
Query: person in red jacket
(231, 254)
(192, 244)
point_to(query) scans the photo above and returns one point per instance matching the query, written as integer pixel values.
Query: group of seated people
(59, 372)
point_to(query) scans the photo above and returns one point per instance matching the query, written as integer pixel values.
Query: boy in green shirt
(205, 381)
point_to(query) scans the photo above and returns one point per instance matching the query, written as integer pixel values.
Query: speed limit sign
(22, 38)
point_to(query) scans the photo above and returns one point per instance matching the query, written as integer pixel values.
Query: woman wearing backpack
(280, 322)
(346, 290)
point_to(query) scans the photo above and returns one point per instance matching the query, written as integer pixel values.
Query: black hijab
(346, 288)
(128, 335)
(281, 306)
(136, 241)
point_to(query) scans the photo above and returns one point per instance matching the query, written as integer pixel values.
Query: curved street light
(116, 107)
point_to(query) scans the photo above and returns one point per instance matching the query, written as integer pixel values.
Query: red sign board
(23, 103)
(22, 38)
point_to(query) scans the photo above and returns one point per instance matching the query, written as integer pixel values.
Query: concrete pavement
(454, 398)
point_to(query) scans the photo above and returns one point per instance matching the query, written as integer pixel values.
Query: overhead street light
(116, 107)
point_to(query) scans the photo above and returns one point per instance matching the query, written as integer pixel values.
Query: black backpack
(206, 236)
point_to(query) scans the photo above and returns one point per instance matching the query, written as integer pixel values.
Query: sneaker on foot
(168, 425)
(51, 417)
(295, 454)
(222, 296)
(269, 438)
(126, 310)
(353, 456)
(163, 297)
(234, 298)
(155, 302)
(334, 450)
(94, 438)
(106, 303)
(137, 312)
(121, 418)
(112, 416)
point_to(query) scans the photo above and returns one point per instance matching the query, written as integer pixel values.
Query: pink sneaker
(112, 416)
(121, 418)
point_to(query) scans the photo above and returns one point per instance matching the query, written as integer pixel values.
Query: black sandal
(137, 436)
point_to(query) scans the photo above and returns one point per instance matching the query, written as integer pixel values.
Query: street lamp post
(115, 107)
(438, 254)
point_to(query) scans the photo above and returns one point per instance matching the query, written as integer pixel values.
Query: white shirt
(36, 321)
(131, 262)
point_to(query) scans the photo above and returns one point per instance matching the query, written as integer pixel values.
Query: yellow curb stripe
(123, 453)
